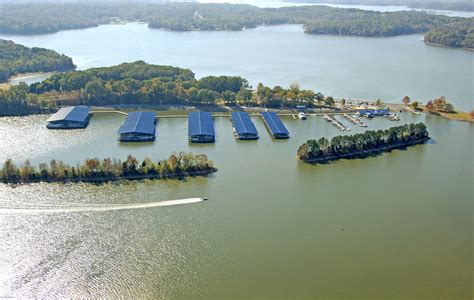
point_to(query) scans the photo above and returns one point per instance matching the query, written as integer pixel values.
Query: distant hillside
(15, 59)
(458, 34)
(454, 5)
(50, 18)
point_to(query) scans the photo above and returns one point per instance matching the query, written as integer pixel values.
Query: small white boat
(393, 117)
(302, 116)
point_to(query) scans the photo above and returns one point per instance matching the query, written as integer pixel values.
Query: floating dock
(275, 125)
(354, 120)
(244, 129)
(201, 127)
(335, 123)
(139, 126)
(72, 117)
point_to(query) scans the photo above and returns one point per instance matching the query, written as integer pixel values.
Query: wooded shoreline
(137, 177)
(317, 19)
(177, 166)
(362, 144)
(365, 153)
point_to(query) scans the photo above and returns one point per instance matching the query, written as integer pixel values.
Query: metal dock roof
(200, 123)
(242, 123)
(274, 123)
(139, 122)
(71, 113)
(374, 112)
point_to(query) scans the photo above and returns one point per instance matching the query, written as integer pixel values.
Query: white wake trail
(56, 210)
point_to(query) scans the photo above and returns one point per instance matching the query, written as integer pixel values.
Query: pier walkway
(354, 120)
(335, 123)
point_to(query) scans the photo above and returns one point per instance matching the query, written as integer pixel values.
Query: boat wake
(92, 208)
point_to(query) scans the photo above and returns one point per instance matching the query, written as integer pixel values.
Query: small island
(107, 170)
(362, 144)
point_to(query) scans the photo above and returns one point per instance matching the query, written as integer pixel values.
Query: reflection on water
(273, 227)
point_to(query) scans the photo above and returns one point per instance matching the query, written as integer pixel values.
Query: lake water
(367, 68)
(398, 225)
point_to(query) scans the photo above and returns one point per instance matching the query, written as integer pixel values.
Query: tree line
(459, 34)
(361, 143)
(96, 170)
(439, 104)
(142, 83)
(15, 59)
(456, 5)
(317, 19)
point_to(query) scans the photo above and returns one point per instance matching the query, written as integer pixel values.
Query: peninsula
(97, 171)
(362, 144)
(17, 59)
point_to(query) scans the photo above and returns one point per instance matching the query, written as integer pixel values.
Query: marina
(140, 126)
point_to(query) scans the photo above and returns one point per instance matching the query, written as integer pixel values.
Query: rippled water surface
(397, 225)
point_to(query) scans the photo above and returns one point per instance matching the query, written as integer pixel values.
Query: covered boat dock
(72, 117)
(201, 127)
(275, 125)
(139, 126)
(244, 129)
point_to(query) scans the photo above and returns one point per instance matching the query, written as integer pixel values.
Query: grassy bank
(457, 115)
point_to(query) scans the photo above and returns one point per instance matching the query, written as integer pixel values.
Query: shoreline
(395, 107)
(451, 116)
(101, 180)
(364, 153)
(446, 46)
(9, 83)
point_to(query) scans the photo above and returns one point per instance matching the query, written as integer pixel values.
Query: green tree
(406, 100)
(329, 101)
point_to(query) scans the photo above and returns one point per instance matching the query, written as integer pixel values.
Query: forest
(455, 5)
(458, 34)
(15, 59)
(362, 143)
(142, 83)
(50, 18)
(96, 170)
